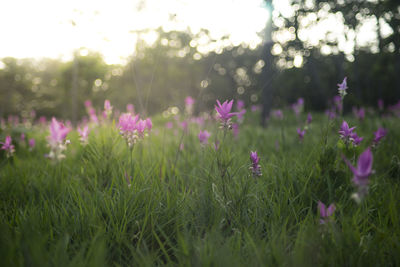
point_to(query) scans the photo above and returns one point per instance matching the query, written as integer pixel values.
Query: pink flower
(31, 143)
(83, 134)
(189, 103)
(324, 212)
(203, 137)
(240, 114)
(224, 112)
(278, 114)
(130, 108)
(57, 142)
(169, 125)
(240, 104)
(107, 108)
(58, 132)
(132, 128)
(22, 137)
(8, 146)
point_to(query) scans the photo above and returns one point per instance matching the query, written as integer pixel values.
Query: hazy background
(54, 55)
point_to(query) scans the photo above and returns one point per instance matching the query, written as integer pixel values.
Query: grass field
(189, 204)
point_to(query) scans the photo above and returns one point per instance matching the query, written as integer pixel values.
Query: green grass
(200, 207)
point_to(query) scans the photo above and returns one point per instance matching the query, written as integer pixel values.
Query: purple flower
(324, 212)
(345, 132)
(330, 113)
(255, 167)
(203, 137)
(8, 146)
(381, 104)
(309, 118)
(240, 104)
(361, 173)
(278, 114)
(337, 100)
(31, 143)
(343, 87)
(240, 114)
(379, 134)
(255, 108)
(298, 106)
(301, 133)
(224, 113)
(22, 137)
(355, 138)
(359, 113)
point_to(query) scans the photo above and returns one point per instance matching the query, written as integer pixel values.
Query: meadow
(167, 196)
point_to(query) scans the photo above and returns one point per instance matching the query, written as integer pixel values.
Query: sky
(54, 29)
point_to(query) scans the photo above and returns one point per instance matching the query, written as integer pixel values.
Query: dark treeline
(179, 64)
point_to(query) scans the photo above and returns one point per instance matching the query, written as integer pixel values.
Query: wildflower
(31, 143)
(169, 125)
(255, 167)
(203, 137)
(224, 113)
(359, 113)
(83, 134)
(185, 125)
(107, 109)
(379, 134)
(278, 114)
(22, 137)
(8, 146)
(361, 173)
(130, 108)
(255, 108)
(355, 139)
(132, 128)
(309, 118)
(240, 115)
(331, 114)
(240, 104)
(346, 132)
(56, 139)
(325, 213)
(337, 100)
(342, 88)
(381, 104)
(301, 134)
(298, 106)
(216, 145)
(42, 120)
(189, 103)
